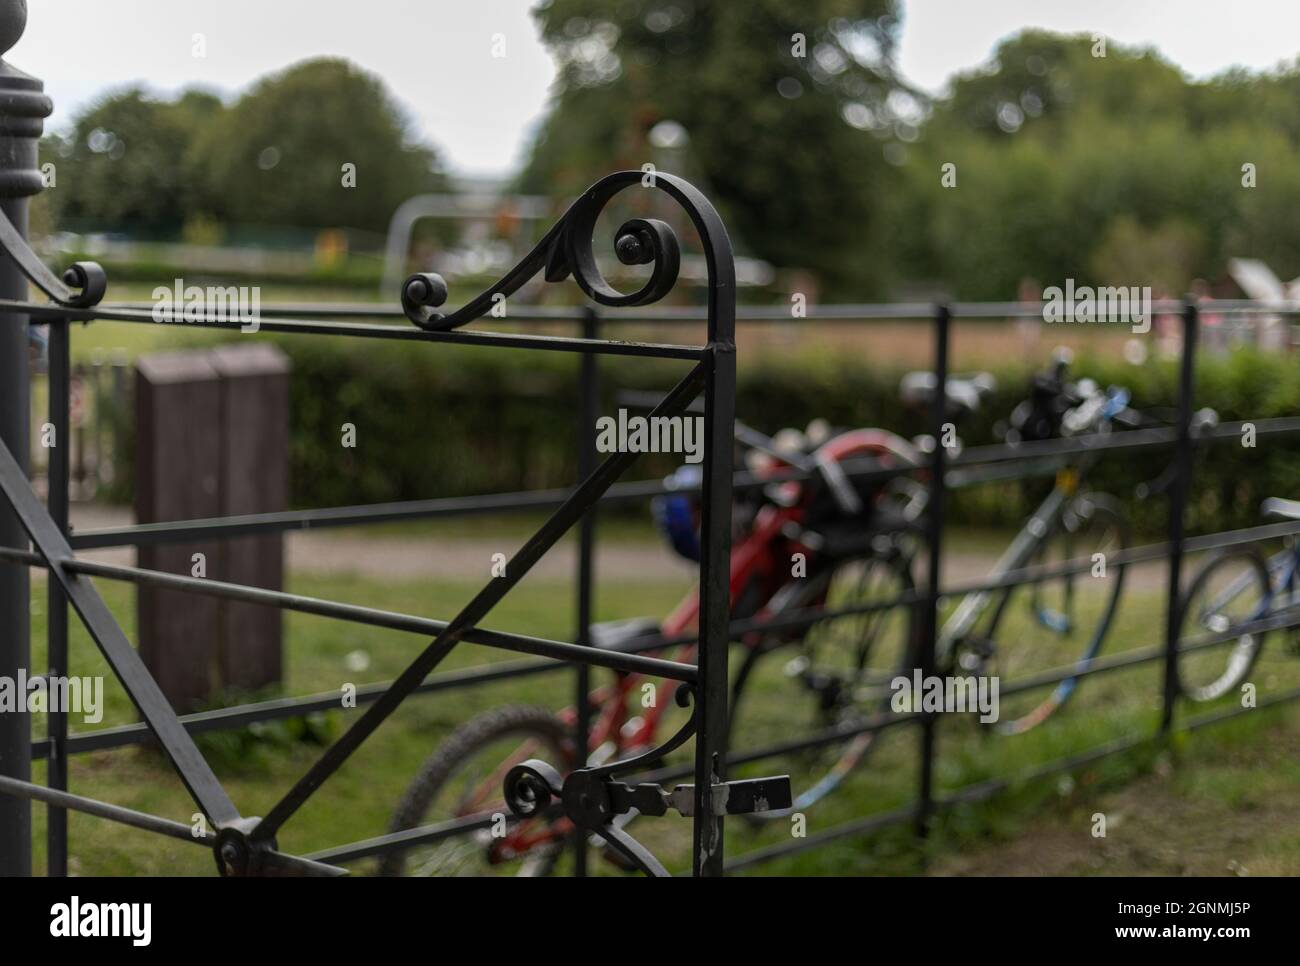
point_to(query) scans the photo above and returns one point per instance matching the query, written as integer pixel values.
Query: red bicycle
(802, 546)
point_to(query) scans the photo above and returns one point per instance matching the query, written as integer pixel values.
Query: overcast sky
(479, 110)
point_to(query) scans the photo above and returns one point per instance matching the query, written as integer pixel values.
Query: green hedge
(457, 420)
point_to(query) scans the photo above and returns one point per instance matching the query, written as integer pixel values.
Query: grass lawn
(1231, 778)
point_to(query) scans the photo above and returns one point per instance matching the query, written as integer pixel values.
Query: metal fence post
(715, 589)
(930, 608)
(59, 480)
(589, 389)
(1177, 503)
(23, 109)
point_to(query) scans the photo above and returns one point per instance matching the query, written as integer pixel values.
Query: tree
(318, 145)
(123, 164)
(1114, 169)
(789, 110)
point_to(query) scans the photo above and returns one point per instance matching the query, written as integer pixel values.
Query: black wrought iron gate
(242, 845)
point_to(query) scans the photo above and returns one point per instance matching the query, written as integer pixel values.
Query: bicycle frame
(1017, 556)
(1283, 570)
(616, 732)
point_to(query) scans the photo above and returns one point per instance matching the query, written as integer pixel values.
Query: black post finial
(13, 21)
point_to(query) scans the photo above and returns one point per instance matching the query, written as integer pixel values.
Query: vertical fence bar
(589, 388)
(929, 622)
(715, 600)
(94, 395)
(1177, 504)
(82, 376)
(56, 834)
(15, 602)
(23, 109)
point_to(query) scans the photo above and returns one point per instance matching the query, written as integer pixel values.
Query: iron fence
(969, 467)
(243, 845)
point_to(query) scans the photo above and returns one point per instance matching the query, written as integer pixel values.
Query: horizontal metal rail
(392, 620)
(840, 312)
(242, 715)
(863, 470)
(281, 861)
(403, 333)
(277, 709)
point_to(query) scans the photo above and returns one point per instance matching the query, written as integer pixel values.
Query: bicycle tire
(1088, 506)
(1245, 653)
(475, 735)
(828, 774)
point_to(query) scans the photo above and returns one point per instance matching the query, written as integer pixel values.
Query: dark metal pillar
(589, 388)
(1177, 504)
(56, 834)
(23, 109)
(929, 622)
(715, 600)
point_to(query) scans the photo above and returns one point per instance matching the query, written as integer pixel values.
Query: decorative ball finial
(13, 21)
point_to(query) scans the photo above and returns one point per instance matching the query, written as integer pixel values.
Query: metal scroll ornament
(567, 250)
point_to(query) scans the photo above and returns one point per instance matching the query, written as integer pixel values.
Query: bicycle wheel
(464, 778)
(836, 673)
(1067, 616)
(1231, 590)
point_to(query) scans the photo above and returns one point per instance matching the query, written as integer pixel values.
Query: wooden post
(254, 479)
(213, 440)
(178, 477)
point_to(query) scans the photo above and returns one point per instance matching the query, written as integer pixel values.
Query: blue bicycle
(1237, 588)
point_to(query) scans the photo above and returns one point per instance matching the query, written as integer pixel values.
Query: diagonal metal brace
(122, 657)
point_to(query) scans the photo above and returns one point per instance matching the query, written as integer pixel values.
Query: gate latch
(591, 798)
(731, 798)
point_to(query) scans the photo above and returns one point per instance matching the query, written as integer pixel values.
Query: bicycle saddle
(1281, 509)
(625, 635)
(963, 394)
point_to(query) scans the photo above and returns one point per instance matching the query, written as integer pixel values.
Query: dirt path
(340, 552)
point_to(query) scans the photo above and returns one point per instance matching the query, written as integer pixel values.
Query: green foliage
(771, 124)
(125, 164)
(1104, 169)
(461, 422)
(1161, 256)
(278, 154)
(179, 169)
(1115, 169)
(355, 272)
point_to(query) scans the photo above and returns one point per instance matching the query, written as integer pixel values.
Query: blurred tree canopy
(785, 107)
(1111, 169)
(1055, 159)
(276, 156)
(281, 149)
(125, 163)
(1070, 159)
